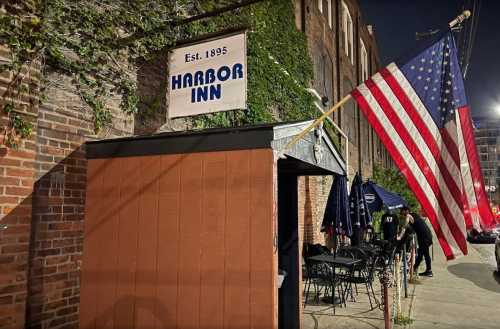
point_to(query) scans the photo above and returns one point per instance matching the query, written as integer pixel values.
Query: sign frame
(201, 40)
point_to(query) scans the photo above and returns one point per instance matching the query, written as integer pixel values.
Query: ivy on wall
(81, 39)
(279, 66)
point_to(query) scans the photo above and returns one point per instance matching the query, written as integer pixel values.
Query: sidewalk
(463, 293)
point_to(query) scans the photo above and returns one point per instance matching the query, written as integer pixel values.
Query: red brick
(52, 150)
(44, 271)
(6, 300)
(16, 229)
(8, 199)
(12, 288)
(9, 181)
(63, 243)
(21, 154)
(15, 248)
(55, 134)
(56, 260)
(27, 182)
(55, 118)
(20, 191)
(48, 252)
(6, 259)
(61, 226)
(67, 267)
(4, 161)
(15, 172)
(67, 310)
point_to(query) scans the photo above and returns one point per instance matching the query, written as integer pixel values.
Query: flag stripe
(429, 130)
(450, 208)
(422, 120)
(440, 137)
(420, 136)
(409, 169)
(470, 195)
(477, 178)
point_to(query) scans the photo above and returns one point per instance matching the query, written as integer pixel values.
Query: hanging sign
(208, 77)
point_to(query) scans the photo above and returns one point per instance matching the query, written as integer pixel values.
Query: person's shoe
(427, 273)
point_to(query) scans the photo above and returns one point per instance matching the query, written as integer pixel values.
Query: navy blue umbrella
(358, 209)
(336, 215)
(378, 198)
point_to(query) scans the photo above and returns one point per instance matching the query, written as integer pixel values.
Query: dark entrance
(288, 252)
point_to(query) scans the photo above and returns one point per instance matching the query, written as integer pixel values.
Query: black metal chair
(362, 272)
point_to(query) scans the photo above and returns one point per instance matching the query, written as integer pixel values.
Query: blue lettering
(201, 94)
(237, 71)
(210, 76)
(215, 92)
(187, 81)
(193, 95)
(223, 73)
(176, 81)
(198, 78)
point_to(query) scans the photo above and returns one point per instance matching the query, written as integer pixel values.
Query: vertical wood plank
(188, 294)
(168, 241)
(128, 241)
(90, 260)
(212, 240)
(262, 278)
(108, 244)
(147, 247)
(237, 241)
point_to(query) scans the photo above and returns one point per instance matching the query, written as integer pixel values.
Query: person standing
(424, 239)
(389, 226)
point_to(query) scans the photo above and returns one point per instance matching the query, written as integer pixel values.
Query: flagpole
(314, 124)
(458, 20)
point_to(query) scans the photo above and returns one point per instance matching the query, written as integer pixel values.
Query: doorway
(288, 252)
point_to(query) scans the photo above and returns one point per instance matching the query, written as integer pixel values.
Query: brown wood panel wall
(180, 241)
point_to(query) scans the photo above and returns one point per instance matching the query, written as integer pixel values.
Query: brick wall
(42, 195)
(64, 124)
(313, 194)
(17, 173)
(335, 76)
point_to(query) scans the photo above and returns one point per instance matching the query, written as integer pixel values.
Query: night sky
(396, 21)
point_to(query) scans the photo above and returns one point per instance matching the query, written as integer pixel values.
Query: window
(364, 61)
(348, 32)
(484, 157)
(320, 5)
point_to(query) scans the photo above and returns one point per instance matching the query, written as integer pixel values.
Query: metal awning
(315, 154)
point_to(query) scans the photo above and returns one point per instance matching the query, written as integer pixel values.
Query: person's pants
(423, 251)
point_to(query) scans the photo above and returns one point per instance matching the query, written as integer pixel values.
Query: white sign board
(208, 77)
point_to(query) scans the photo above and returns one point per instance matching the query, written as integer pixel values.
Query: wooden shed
(187, 229)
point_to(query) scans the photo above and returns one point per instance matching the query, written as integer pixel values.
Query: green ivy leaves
(79, 38)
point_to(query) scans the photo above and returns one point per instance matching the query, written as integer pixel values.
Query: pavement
(463, 294)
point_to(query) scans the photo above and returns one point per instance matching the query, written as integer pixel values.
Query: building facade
(487, 135)
(344, 53)
(42, 189)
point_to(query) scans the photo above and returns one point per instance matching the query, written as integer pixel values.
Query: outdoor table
(335, 262)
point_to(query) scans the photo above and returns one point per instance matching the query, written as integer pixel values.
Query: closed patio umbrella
(360, 216)
(336, 217)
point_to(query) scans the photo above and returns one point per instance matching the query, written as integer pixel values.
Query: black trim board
(179, 143)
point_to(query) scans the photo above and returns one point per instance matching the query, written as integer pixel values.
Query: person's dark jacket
(424, 235)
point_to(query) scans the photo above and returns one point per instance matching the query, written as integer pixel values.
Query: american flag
(419, 110)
